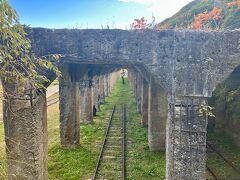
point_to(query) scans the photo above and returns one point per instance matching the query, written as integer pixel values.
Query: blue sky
(92, 13)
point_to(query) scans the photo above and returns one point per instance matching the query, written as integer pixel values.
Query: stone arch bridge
(172, 74)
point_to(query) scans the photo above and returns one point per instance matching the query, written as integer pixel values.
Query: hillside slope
(230, 17)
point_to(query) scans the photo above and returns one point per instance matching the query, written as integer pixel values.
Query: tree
(139, 23)
(17, 64)
(203, 20)
(235, 3)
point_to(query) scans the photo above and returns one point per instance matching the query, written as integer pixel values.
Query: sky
(93, 14)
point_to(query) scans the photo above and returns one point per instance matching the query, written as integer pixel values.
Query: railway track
(224, 159)
(52, 101)
(111, 163)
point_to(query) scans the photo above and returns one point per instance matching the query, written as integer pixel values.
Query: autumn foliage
(234, 3)
(203, 18)
(139, 23)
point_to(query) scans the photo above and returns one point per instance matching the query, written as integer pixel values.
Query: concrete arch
(187, 64)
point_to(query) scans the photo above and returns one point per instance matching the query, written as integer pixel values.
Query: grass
(225, 145)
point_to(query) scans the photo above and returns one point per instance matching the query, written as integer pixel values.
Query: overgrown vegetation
(18, 65)
(229, 16)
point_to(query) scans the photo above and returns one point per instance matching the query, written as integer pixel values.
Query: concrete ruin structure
(172, 74)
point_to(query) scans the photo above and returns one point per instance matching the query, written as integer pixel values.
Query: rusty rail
(225, 159)
(104, 143)
(52, 101)
(124, 142)
(212, 173)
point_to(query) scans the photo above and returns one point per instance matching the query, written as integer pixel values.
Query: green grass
(226, 147)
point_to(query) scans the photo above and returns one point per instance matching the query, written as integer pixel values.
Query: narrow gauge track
(229, 163)
(111, 161)
(52, 101)
(212, 173)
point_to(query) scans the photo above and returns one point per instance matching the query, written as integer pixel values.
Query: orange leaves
(139, 23)
(234, 3)
(215, 13)
(203, 18)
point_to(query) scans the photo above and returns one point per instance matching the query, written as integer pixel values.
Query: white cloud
(161, 9)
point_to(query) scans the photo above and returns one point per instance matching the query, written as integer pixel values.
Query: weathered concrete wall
(25, 125)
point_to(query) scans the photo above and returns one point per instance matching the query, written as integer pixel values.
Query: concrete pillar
(94, 90)
(69, 114)
(109, 82)
(101, 89)
(186, 138)
(139, 93)
(25, 125)
(69, 95)
(144, 103)
(86, 104)
(157, 117)
(105, 80)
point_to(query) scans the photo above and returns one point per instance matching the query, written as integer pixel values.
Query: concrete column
(139, 93)
(94, 90)
(69, 103)
(69, 95)
(135, 85)
(101, 88)
(186, 138)
(105, 80)
(109, 82)
(157, 117)
(144, 103)
(86, 104)
(25, 125)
